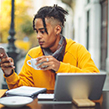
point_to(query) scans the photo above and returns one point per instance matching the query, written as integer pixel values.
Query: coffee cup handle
(28, 63)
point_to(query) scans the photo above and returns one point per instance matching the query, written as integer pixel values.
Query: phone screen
(2, 51)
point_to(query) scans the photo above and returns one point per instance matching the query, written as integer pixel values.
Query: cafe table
(102, 103)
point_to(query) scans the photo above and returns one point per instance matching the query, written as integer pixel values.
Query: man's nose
(38, 36)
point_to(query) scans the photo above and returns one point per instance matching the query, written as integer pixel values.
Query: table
(102, 104)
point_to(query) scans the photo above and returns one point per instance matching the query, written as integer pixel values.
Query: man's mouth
(41, 42)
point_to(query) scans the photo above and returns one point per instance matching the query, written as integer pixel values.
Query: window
(88, 25)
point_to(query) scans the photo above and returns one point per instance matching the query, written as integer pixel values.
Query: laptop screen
(78, 85)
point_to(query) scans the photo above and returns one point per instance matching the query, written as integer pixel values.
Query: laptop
(71, 86)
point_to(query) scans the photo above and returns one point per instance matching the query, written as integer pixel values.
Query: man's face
(46, 40)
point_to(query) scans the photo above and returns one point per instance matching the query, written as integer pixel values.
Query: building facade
(91, 29)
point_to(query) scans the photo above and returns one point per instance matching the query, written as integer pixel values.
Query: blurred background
(87, 23)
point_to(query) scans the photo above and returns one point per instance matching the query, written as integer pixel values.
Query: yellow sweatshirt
(76, 60)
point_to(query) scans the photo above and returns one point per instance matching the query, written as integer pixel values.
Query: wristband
(10, 73)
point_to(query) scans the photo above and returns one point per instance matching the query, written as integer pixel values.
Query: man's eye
(42, 32)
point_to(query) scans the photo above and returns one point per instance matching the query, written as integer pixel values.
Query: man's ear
(58, 29)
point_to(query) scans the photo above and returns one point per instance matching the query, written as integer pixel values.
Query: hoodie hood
(69, 44)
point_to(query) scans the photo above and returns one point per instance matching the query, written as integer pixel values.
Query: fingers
(6, 70)
(42, 62)
(45, 65)
(48, 63)
(1, 56)
(43, 59)
(7, 63)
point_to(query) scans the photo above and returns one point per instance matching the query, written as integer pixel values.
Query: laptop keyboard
(45, 96)
(48, 99)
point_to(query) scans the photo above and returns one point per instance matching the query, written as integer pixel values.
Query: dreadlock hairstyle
(56, 12)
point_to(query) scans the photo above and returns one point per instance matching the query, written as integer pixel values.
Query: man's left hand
(48, 63)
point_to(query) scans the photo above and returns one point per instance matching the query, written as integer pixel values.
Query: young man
(58, 54)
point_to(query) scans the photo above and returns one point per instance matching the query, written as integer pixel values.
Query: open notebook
(25, 91)
(71, 86)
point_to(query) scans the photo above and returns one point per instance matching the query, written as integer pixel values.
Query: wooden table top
(103, 103)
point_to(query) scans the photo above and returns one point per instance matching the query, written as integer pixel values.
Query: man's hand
(48, 63)
(6, 64)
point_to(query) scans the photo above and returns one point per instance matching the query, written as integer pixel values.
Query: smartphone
(2, 51)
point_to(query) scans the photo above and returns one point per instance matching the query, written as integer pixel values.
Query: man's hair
(55, 12)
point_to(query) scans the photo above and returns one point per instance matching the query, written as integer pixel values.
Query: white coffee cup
(32, 63)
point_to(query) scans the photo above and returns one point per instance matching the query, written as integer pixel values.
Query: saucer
(15, 101)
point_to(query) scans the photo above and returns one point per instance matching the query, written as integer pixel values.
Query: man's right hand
(6, 64)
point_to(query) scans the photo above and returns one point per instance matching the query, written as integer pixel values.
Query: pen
(29, 56)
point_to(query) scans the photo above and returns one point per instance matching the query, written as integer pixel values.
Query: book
(25, 91)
